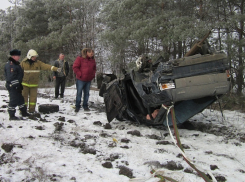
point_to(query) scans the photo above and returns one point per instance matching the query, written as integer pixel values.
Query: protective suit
(32, 68)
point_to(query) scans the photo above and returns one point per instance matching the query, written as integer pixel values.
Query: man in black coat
(14, 75)
(60, 77)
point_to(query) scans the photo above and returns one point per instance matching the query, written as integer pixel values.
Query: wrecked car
(190, 84)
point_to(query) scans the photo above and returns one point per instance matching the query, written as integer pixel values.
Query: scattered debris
(71, 121)
(98, 123)
(188, 170)
(58, 126)
(125, 140)
(107, 126)
(124, 147)
(155, 164)
(62, 119)
(39, 128)
(185, 146)
(125, 171)
(154, 137)
(89, 151)
(135, 133)
(164, 143)
(172, 165)
(213, 167)
(114, 157)
(7, 147)
(107, 165)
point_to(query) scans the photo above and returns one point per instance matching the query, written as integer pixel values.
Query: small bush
(230, 102)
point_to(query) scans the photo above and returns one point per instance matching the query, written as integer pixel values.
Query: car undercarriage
(189, 84)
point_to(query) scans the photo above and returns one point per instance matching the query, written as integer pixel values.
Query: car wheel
(48, 108)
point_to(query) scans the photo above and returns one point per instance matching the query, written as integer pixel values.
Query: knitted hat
(15, 52)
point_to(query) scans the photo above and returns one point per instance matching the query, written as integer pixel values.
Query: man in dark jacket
(14, 75)
(84, 67)
(60, 77)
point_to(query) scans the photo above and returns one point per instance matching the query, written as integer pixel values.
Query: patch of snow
(51, 155)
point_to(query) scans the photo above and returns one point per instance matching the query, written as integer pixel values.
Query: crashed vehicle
(190, 84)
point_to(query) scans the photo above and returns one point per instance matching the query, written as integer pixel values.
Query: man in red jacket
(84, 67)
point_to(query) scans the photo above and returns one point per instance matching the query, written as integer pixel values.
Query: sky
(5, 4)
(43, 153)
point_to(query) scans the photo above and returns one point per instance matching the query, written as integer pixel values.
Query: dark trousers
(60, 83)
(15, 99)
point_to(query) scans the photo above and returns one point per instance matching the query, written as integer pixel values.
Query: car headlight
(165, 86)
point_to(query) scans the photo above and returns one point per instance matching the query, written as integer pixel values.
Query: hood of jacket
(84, 53)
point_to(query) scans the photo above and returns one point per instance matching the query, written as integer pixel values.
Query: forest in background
(121, 30)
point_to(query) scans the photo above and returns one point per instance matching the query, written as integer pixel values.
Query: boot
(12, 114)
(77, 109)
(13, 118)
(24, 112)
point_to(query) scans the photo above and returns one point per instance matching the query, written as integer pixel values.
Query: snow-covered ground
(65, 147)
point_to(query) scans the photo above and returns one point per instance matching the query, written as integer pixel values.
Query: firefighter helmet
(32, 53)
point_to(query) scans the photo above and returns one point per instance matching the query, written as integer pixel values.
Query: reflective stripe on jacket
(32, 71)
(13, 73)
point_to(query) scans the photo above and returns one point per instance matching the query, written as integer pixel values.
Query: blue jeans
(84, 87)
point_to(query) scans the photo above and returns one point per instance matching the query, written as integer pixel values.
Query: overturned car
(190, 84)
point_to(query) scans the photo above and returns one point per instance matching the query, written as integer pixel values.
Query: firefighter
(32, 67)
(14, 75)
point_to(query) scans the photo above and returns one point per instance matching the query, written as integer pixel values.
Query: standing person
(14, 75)
(31, 67)
(60, 77)
(84, 67)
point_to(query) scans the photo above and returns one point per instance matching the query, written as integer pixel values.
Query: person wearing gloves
(32, 67)
(84, 67)
(14, 75)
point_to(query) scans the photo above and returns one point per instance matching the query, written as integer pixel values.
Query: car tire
(48, 108)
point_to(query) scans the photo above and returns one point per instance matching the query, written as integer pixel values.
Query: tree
(153, 27)
(122, 33)
(229, 24)
(51, 27)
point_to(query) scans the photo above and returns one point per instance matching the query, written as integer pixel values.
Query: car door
(113, 101)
